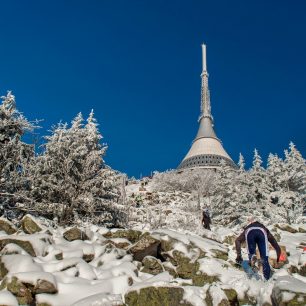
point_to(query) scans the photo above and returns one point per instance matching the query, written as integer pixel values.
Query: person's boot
(254, 263)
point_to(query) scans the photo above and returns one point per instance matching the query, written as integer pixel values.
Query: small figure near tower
(206, 150)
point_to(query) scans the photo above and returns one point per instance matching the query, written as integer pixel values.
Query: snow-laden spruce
(70, 180)
(67, 181)
(15, 155)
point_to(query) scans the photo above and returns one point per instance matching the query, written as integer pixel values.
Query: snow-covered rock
(7, 226)
(75, 234)
(30, 225)
(289, 291)
(136, 267)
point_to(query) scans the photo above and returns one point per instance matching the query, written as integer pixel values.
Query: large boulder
(215, 296)
(185, 264)
(152, 265)
(286, 228)
(29, 225)
(190, 269)
(36, 282)
(129, 234)
(288, 291)
(7, 226)
(24, 244)
(156, 296)
(11, 249)
(75, 234)
(19, 290)
(146, 246)
(17, 263)
(120, 243)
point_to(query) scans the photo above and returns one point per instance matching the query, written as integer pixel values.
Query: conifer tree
(15, 155)
(70, 179)
(295, 168)
(259, 181)
(276, 172)
(241, 162)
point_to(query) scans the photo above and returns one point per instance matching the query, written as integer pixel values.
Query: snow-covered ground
(96, 266)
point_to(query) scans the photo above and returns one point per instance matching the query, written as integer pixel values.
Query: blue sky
(138, 65)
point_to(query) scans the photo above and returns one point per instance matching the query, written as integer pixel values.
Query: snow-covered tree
(288, 179)
(276, 172)
(295, 167)
(234, 199)
(241, 163)
(14, 154)
(260, 182)
(70, 179)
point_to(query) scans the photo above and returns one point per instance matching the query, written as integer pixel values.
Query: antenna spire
(205, 95)
(204, 58)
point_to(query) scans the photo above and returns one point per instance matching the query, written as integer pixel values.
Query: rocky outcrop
(156, 296)
(75, 234)
(29, 225)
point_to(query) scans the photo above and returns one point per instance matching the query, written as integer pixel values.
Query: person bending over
(257, 234)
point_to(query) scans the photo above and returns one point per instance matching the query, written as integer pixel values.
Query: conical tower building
(206, 150)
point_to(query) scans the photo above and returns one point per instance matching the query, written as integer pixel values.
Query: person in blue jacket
(256, 234)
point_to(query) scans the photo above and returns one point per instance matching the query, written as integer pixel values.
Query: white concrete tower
(206, 150)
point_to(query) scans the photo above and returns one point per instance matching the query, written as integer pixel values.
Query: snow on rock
(13, 248)
(100, 299)
(17, 263)
(72, 292)
(8, 299)
(75, 234)
(34, 244)
(134, 267)
(30, 225)
(7, 226)
(289, 291)
(146, 246)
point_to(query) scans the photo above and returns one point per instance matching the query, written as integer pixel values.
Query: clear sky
(138, 65)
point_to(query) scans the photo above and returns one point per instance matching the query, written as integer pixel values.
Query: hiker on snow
(257, 234)
(206, 221)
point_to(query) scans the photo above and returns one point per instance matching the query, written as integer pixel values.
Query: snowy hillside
(41, 265)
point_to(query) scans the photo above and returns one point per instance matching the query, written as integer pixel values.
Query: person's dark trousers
(257, 237)
(206, 226)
